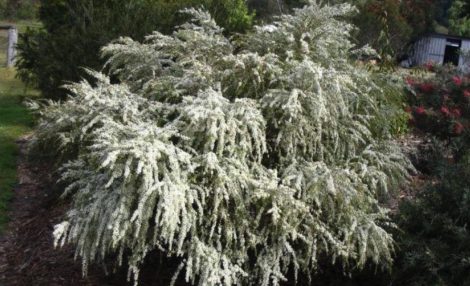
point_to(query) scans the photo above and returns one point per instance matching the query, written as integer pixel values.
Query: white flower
(207, 154)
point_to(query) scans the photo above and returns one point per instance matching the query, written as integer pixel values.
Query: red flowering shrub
(440, 105)
(426, 87)
(466, 93)
(456, 113)
(420, 110)
(430, 66)
(434, 243)
(457, 80)
(458, 128)
(445, 111)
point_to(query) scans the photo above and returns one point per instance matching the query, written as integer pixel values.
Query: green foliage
(19, 9)
(440, 104)
(389, 25)
(442, 8)
(435, 245)
(420, 15)
(382, 26)
(434, 242)
(15, 121)
(74, 31)
(3, 7)
(392, 119)
(459, 18)
(246, 160)
(232, 15)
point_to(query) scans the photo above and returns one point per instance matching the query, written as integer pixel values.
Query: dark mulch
(27, 256)
(418, 147)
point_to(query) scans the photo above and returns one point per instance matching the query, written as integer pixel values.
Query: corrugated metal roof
(7, 27)
(438, 35)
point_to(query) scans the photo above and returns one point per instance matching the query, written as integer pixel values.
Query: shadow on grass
(15, 121)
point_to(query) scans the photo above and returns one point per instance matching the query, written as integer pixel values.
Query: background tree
(442, 8)
(18, 9)
(391, 25)
(459, 18)
(387, 25)
(74, 31)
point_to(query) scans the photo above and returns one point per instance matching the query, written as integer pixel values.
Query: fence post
(12, 41)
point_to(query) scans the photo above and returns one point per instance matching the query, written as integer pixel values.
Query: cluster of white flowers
(244, 159)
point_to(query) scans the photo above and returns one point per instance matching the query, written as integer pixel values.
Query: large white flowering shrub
(246, 160)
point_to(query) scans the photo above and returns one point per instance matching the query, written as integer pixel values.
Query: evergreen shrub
(19, 9)
(440, 103)
(434, 242)
(74, 31)
(247, 161)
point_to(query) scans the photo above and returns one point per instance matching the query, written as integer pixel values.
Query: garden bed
(27, 256)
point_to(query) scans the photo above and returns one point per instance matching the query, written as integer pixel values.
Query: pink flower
(420, 110)
(456, 112)
(466, 93)
(429, 66)
(410, 81)
(426, 87)
(457, 80)
(445, 111)
(458, 128)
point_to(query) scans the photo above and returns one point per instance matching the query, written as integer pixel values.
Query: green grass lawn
(3, 47)
(15, 121)
(22, 25)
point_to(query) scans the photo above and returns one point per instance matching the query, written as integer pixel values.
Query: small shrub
(440, 105)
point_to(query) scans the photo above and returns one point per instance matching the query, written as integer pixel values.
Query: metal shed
(442, 49)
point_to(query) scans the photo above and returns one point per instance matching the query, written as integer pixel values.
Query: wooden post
(12, 41)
